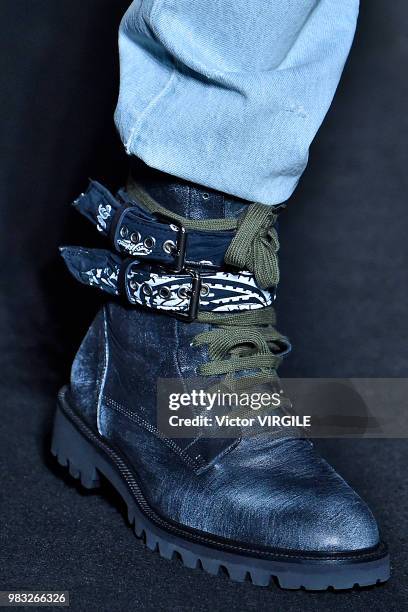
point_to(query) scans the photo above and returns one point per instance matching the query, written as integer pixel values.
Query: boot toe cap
(285, 497)
(338, 523)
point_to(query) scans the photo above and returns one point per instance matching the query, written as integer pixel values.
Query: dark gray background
(342, 300)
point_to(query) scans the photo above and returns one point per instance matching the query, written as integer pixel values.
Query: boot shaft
(254, 493)
(127, 349)
(182, 197)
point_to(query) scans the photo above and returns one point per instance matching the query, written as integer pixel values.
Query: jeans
(229, 94)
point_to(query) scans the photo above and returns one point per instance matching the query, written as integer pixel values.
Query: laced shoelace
(242, 342)
(246, 341)
(255, 245)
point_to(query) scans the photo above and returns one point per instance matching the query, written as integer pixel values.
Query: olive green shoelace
(243, 341)
(255, 245)
(247, 340)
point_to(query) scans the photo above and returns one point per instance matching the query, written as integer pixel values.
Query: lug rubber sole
(87, 456)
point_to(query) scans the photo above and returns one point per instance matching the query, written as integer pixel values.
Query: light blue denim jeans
(230, 93)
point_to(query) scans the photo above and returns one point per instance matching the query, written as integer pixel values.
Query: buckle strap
(136, 232)
(182, 295)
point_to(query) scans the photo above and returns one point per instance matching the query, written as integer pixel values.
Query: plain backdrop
(342, 300)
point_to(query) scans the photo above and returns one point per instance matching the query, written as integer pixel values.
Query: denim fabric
(230, 93)
(275, 493)
(266, 490)
(87, 370)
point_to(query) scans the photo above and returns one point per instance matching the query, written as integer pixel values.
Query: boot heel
(72, 450)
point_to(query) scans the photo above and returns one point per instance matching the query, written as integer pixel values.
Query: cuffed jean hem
(205, 171)
(230, 94)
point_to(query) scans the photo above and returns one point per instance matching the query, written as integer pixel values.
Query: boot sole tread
(75, 450)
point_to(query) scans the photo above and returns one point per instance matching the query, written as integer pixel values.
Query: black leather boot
(193, 296)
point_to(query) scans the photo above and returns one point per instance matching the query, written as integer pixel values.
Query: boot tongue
(184, 198)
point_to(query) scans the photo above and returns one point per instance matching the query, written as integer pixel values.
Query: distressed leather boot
(191, 277)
